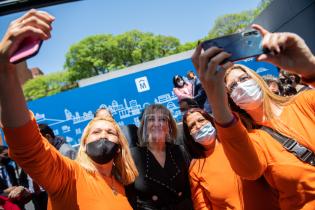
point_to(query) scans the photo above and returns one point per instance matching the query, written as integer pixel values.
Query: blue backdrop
(69, 112)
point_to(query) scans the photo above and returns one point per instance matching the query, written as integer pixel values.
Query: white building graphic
(130, 110)
(121, 112)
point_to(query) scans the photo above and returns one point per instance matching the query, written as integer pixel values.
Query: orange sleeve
(246, 158)
(199, 198)
(307, 98)
(38, 157)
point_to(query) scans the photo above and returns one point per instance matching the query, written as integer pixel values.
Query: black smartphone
(28, 48)
(240, 45)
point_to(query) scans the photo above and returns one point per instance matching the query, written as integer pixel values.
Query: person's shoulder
(66, 147)
(305, 97)
(137, 151)
(306, 92)
(172, 146)
(180, 149)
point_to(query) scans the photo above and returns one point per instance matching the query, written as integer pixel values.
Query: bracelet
(228, 124)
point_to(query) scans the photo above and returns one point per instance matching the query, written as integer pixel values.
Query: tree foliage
(233, 23)
(103, 53)
(46, 85)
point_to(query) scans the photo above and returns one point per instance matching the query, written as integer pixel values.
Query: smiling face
(102, 129)
(157, 126)
(195, 121)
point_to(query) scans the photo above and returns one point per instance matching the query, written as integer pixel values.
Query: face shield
(156, 128)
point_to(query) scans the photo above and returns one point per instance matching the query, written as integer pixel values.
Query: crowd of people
(287, 84)
(253, 150)
(189, 89)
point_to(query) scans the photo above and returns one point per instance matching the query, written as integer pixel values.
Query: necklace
(113, 186)
(110, 183)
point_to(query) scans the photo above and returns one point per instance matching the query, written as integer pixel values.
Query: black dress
(157, 187)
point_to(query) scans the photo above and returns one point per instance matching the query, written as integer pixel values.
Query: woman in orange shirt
(214, 184)
(252, 152)
(103, 165)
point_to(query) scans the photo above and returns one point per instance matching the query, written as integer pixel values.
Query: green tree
(231, 23)
(262, 5)
(187, 46)
(100, 54)
(46, 85)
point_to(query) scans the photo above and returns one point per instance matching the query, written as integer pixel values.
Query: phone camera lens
(249, 43)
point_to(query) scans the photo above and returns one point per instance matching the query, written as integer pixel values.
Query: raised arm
(289, 52)
(14, 112)
(26, 145)
(245, 159)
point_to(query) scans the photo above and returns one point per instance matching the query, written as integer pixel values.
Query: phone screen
(241, 45)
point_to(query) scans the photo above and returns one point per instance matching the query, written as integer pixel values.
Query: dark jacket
(157, 187)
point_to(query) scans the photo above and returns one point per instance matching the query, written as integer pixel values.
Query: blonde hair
(152, 109)
(124, 168)
(268, 98)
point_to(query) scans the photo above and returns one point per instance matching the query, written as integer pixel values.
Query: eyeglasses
(233, 84)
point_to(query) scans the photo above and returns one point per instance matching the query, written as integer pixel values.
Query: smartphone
(240, 45)
(28, 48)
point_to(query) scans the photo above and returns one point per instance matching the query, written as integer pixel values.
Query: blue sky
(185, 19)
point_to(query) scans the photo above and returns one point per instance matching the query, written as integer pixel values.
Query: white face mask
(247, 95)
(206, 135)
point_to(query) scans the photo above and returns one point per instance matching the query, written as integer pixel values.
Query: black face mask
(101, 151)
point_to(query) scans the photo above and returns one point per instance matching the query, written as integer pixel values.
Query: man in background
(57, 141)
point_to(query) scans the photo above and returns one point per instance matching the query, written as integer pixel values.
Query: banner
(67, 113)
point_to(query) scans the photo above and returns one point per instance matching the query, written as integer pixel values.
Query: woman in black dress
(163, 182)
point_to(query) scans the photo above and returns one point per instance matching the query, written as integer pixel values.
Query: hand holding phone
(28, 48)
(240, 45)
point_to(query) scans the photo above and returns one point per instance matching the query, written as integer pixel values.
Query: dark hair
(175, 78)
(296, 79)
(2, 148)
(191, 103)
(287, 78)
(288, 90)
(188, 74)
(269, 79)
(45, 129)
(194, 149)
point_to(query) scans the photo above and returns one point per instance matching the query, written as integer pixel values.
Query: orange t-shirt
(70, 187)
(255, 153)
(215, 186)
